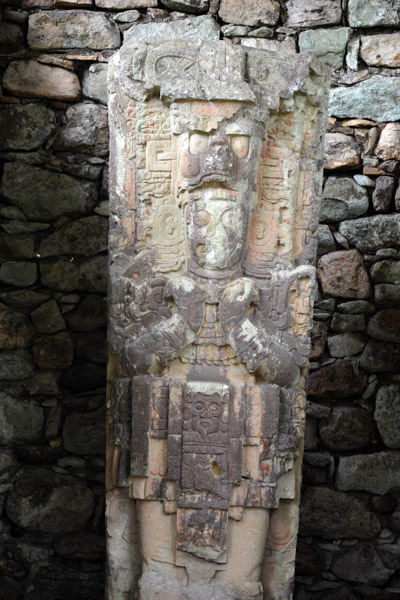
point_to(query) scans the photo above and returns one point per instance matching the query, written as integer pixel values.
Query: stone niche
(215, 183)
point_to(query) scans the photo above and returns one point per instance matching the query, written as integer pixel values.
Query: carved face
(219, 150)
(216, 229)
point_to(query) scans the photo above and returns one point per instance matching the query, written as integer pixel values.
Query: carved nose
(219, 157)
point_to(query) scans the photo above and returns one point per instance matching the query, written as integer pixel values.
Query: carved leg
(279, 559)
(123, 566)
(161, 579)
(246, 540)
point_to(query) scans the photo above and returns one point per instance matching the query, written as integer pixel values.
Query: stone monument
(215, 179)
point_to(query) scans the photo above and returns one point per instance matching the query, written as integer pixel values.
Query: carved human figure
(210, 311)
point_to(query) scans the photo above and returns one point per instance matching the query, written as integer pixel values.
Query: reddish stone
(343, 275)
(336, 381)
(53, 351)
(16, 330)
(383, 193)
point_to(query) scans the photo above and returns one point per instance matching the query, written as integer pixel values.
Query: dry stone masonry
(53, 273)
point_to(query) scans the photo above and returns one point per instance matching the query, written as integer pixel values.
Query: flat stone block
(373, 13)
(249, 12)
(45, 195)
(193, 28)
(25, 127)
(31, 79)
(313, 14)
(375, 98)
(61, 29)
(329, 45)
(371, 233)
(377, 473)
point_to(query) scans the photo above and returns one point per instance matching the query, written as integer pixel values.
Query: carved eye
(213, 408)
(202, 218)
(228, 218)
(198, 142)
(198, 407)
(240, 145)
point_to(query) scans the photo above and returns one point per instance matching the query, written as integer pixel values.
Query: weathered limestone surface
(373, 13)
(72, 29)
(375, 98)
(210, 305)
(249, 12)
(329, 45)
(314, 13)
(381, 50)
(25, 127)
(32, 79)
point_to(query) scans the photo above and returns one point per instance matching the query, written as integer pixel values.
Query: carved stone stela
(215, 183)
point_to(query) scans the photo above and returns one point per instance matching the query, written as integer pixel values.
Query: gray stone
(313, 14)
(311, 434)
(195, 28)
(353, 48)
(51, 30)
(86, 236)
(319, 411)
(94, 82)
(17, 227)
(20, 419)
(347, 428)
(25, 127)
(31, 79)
(356, 307)
(262, 32)
(19, 274)
(373, 13)
(47, 318)
(89, 275)
(53, 351)
(347, 323)
(346, 344)
(387, 415)
(86, 130)
(361, 564)
(377, 473)
(326, 243)
(84, 433)
(364, 180)
(385, 325)
(45, 195)
(386, 293)
(329, 45)
(25, 298)
(127, 16)
(375, 98)
(287, 46)
(49, 502)
(196, 7)
(52, 580)
(386, 271)
(127, 4)
(333, 515)
(44, 382)
(381, 50)
(235, 30)
(10, 34)
(371, 233)
(90, 314)
(380, 357)
(249, 12)
(342, 199)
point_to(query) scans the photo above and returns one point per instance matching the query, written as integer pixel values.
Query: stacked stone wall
(53, 157)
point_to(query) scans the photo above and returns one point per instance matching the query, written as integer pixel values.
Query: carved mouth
(216, 193)
(214, 177)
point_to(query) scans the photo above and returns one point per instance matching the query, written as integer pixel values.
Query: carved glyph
(214, 184)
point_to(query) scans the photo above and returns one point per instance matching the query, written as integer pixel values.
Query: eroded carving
(216, 161)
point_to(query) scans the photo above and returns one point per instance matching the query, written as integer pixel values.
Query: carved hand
(189, 299)
(236, 302)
